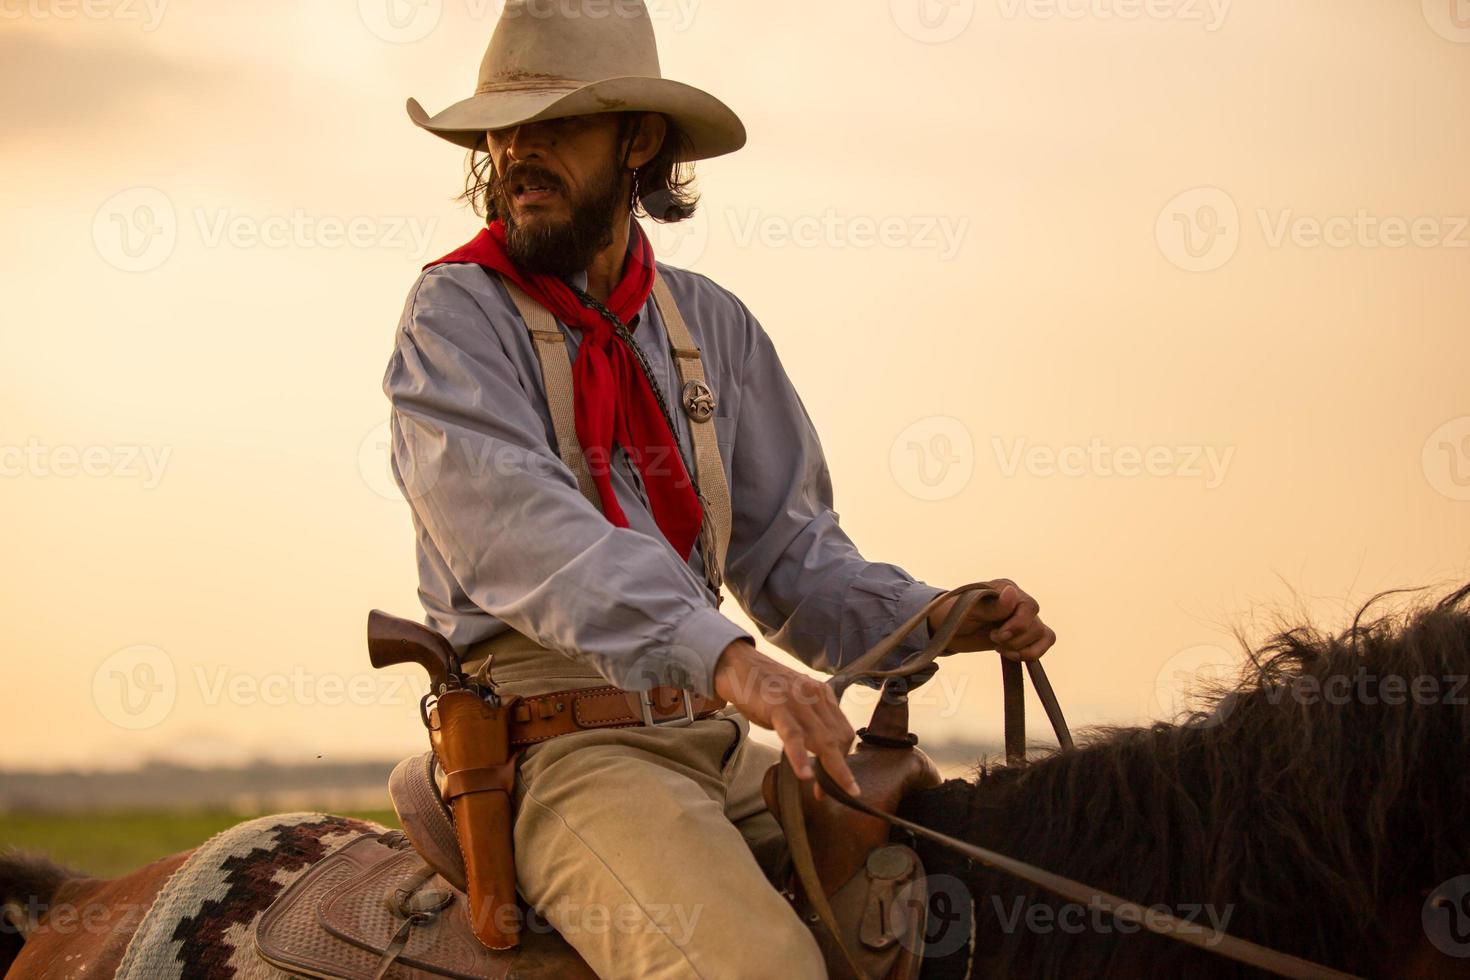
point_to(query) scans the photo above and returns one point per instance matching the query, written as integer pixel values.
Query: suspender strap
(709, 474)
(556, 376)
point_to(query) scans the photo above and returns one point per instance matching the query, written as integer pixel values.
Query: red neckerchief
(611, 396)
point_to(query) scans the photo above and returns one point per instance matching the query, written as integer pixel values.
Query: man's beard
(560, 248)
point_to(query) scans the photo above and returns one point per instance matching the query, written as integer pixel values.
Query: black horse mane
(1302, 817)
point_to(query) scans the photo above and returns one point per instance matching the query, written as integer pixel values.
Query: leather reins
(789, 797)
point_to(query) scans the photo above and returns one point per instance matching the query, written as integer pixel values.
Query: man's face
(561, 187)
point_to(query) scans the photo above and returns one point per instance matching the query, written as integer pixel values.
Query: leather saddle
(373, 910)
(874, 884)
(393, 906)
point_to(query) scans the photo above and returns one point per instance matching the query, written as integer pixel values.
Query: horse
(1314, 804)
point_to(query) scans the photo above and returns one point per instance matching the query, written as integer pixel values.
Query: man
(581, 492)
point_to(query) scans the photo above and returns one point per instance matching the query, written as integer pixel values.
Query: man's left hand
(1009, 623)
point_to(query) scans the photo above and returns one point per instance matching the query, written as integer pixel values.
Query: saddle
(373, 910)
(398, 906)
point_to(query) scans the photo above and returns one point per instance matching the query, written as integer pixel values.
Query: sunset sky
(1159, 309)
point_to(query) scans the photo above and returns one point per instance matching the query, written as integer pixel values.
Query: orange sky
(1158, 309)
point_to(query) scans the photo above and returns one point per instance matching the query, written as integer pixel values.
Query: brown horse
(1318, 806)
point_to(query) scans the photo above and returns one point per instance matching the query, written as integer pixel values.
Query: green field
(109, 844)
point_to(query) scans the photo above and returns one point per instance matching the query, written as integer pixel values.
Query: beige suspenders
(556, 375)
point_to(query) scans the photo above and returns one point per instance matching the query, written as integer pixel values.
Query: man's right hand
(800, 709)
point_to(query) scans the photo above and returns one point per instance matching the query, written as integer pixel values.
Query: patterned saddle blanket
(315, 895)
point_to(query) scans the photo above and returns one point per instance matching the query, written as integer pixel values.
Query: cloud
(48, 85)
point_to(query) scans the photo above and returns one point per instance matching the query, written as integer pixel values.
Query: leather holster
(471, 739)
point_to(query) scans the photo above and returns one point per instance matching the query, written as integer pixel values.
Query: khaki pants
(649, 849)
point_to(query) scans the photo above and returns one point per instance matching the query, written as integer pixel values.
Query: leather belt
(542, 716)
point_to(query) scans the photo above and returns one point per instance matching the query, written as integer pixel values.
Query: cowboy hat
(549, 59)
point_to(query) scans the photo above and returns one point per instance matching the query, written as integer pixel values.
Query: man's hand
(800, 709)
(1010, 623)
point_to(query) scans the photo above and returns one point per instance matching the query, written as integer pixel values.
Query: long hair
(662, 189)
(1303, 801)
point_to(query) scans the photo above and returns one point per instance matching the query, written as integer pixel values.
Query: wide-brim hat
(574, 58)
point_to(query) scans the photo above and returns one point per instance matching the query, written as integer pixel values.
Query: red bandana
(612, 398)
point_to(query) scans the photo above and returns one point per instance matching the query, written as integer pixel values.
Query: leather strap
(1152, 919)
(1013, 695)
(556, 377)
(544, 716)
(709, 473)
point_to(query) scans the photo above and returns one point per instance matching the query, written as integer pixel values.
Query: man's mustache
(527, 175)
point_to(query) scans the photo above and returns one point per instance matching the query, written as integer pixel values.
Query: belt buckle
(678, 721)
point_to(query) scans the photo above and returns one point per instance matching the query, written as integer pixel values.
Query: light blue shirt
(506, 540)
